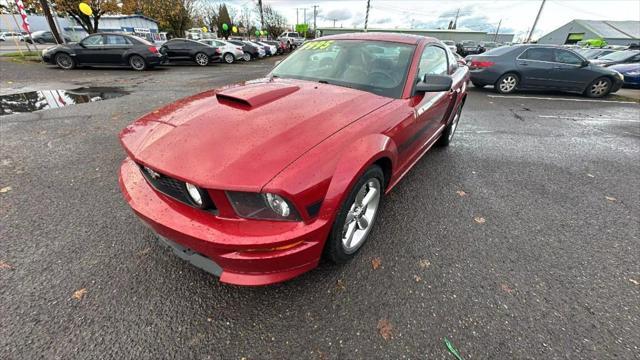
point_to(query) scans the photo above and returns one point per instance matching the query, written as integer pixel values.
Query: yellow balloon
(234, 29)
(204, 29)
(85, 9)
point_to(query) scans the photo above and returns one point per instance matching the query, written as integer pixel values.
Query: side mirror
(82, 44)
(434, 83)
(585, 63)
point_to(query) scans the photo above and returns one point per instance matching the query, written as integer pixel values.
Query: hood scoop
(249, 97)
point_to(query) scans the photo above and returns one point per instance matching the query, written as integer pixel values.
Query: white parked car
(230, 52)
(10, 36)
(261, 51)
(272, 48)
(292, 38)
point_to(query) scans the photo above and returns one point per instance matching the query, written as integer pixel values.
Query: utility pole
(535, 22)
(261, 15)
(455, 22)
(366, 18)
(315, 13)
(304, 11)
(334, 22)
(495, 37)
(52, 23)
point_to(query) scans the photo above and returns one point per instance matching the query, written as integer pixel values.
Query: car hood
(240, 137)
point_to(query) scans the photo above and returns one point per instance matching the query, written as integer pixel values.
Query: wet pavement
(31, 101)
(521, 240)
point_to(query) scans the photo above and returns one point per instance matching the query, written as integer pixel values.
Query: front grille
(173, 188)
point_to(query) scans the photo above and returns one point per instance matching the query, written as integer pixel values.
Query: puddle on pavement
(51, 99)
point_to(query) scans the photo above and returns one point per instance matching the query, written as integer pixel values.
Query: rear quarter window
(499, 51)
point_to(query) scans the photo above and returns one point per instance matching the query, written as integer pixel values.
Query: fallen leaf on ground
(375, 263)
(385, 329)
(340, 285)
(461, 193)
(634, 281)
(5, 189)
(79, 294)
(611, 198)
(417, 278)
(424, 263)
(506, 288)
(590, 175)
(479, 220)
(5, 266)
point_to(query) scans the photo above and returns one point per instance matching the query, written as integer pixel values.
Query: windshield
(620, 55)
(468, 43)
(449, 42)
(378, 67)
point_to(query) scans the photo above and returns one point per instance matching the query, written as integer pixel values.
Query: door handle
(523, 64)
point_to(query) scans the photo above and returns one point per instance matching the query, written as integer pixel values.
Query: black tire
(228, 58)
(201, 59)
(480, 86)
(507, 83)
(598, 88)
(137, 62)
(447, 134)
(247, 57)
(334, 249)
(65, 61)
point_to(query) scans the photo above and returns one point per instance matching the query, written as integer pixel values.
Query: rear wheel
(201, 59)
(228, 58)
(246, 57)
(137, 62)
(65, 61)
(598, 88)
(356, 216)
(507, 83)
(450, 130)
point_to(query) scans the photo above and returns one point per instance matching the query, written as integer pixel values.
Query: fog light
(194, 193)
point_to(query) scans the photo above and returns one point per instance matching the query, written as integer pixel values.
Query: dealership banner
(25, 22)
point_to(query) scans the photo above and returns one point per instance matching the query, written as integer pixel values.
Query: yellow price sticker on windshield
(317, 45)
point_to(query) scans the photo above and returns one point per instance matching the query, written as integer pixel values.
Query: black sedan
(250, 51)
(542, 67)
(185, 49)
(105, 49)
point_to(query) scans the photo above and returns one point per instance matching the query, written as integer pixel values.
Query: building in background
(131, 24)
(454, 35)
(613, 32)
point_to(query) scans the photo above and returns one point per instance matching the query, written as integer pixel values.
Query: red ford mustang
(255, 182)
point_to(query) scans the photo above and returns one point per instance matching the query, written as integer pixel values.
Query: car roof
(380, 36)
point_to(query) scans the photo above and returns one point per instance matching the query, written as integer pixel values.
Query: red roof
(380, 36)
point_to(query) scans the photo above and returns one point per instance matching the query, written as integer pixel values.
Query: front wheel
(356, 217)
(201, 59)
(246, 57)
(137, 63)
(447, 134)
(507, 83)
(228, 58)
(599, 88)
(65, 61)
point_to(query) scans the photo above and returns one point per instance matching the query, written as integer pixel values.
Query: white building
(613, 32)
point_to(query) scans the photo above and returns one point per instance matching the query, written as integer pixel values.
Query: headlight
(265, 206)
(194, 193)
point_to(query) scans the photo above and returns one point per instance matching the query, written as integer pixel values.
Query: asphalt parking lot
(521, 240)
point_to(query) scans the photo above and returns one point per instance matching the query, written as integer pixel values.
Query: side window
(567, 57)
(634, 59)
(433, 62)
(95, 40)
(115, 40)
(538, 54)
(218, 43)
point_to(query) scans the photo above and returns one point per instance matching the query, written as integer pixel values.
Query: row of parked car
(115, 49)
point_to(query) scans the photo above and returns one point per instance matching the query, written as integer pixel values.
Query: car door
(91, 50)
(431, 108)
(174, 49)
(535, 65)
(568, 71)
(114, 48)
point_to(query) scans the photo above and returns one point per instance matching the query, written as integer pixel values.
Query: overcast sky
(517, 16)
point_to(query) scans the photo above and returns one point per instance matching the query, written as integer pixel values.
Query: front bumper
(242, 249)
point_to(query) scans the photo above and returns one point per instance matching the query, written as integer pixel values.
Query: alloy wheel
(64, 61)
(361, 216)
(228, 58)
(508, 83)
(599, 88)
(202, 59)
(137, 63)
(246, 57)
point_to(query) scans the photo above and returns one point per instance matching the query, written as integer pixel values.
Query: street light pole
(366, 18)
(535, 22)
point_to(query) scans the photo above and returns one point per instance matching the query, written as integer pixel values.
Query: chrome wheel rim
(64, 61)
(508, 83)
(228, 58)
(454, 124)
(599, 88)
(361, 216)
(136, 62)
(202, 59)
(246, 57)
